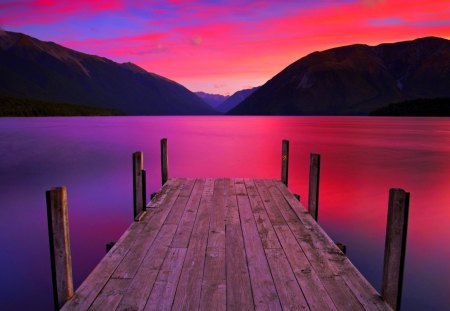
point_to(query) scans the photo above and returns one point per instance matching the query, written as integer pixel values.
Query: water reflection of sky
(361, 159)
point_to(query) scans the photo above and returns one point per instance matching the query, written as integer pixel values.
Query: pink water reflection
(361, 159)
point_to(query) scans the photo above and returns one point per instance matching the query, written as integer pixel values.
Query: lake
(361, 158)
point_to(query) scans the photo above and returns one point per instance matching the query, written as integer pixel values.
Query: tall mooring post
(284, 161)
(164, 161)
(139, 185)
(60, 254)
(395, 247)
(314, 175)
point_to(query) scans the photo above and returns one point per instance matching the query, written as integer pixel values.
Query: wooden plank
(314, 177)
(90, 288)
(276, 218)
(329, 262)
(133, 259)
(177, 211)
(183, 234)
(188, 186)
(395, 247)
(208, 190)
(216, 235)
(162, 295)
(141, 285)
(250, 187)
(92, 285)
(159, 197)
(60, 254)
(239, 292)
(312, 246)
(213, 294)
(312, 287)
(289, 291)
(110, 295)
(266, 233)
(263, 288)
(232, 211)
(188, 292)
(240, 186)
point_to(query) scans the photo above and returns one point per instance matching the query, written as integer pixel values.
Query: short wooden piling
(144, 188)
(110, 245)
(394, 253)
(60, 254)
(314, 175)
(342, 247)
(164, 161)
(284, 161)
(138, 185)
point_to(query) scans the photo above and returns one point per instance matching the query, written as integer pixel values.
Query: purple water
(361, 159)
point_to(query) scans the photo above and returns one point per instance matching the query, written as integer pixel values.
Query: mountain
(355, 80)
(235, 100)
(213, 100)
(46, 71)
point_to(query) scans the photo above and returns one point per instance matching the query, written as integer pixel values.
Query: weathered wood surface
(225, 244)
(60, 254)
(314, 177)
(394, 256)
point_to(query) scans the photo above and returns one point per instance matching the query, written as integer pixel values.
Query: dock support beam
(110, 245)
(284, 161)
(394, 252)
(60, 255)
(314, 175)
(342, 247)
(164, 161)
(139, 185)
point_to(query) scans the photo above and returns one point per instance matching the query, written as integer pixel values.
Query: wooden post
(110, 245)
(284, 161)
(342, 247)
(394, 252)
(60, 255)
(138, 189)
(144, 189)
(164, 161)
(313, 197)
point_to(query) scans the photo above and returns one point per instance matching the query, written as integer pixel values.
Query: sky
(221, 46)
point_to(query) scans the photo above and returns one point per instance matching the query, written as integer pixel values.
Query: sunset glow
(221, 46)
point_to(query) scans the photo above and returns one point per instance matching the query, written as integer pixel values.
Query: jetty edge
(226, 244)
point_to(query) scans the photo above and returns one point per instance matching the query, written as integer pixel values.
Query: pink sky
(221, 46)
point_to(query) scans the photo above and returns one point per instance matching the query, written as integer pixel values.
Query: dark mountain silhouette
(355, 80)
(46, 71)
(213, 100)
(235, 100)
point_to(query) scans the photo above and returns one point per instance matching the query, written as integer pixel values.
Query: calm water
(361, 159)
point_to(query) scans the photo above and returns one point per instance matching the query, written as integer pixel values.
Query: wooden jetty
(224, 244)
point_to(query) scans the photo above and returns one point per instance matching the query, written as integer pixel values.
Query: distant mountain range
(235, 99)
(350, 80)
(355, 80)
(213, 100)
(33, 69)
